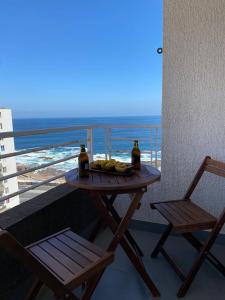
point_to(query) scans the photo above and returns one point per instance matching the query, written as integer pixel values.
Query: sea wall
(193, 109)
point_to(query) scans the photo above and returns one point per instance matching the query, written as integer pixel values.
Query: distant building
(7, 165)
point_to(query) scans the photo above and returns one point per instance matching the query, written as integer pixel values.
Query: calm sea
(98, 137)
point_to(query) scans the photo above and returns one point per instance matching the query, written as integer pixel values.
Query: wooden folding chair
(186, 217)
(62, 262)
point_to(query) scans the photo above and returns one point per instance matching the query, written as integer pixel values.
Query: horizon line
(130, 116)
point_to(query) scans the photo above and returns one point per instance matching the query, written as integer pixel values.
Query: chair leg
(91, 286)
(191, 275)
(162, 241)
(34, 290)
(209, 256)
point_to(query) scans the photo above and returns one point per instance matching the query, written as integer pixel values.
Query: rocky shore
(39, 175)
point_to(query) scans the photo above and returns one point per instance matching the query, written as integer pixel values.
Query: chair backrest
(13, 247)
(215, 167)
(208, 165)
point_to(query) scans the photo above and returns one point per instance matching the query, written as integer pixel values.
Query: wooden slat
(53, 265)
(61, 257)
(187, 209)
(92, 271)
(216, 167)
(74, 245)
(183, 206)
(74, 255)
(178, 213)
(95, 177)
(167, 214)
(90, 246)
(216, 171)
(197, 211)
(184, 214)
(108, 179)
(215, 163)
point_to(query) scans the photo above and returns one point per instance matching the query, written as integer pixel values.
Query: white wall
(193, 101)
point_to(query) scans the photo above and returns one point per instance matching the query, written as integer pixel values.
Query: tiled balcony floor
(121, 282)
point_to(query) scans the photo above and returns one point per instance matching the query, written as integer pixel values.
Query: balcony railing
(110, 135)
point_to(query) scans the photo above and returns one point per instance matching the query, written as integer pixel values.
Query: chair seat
(69, 257)
(185, 216)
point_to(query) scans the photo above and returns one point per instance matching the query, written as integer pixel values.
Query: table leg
(100, 225)
(118, 219)
(119, 232)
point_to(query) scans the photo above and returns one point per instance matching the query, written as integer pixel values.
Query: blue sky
(70, 58)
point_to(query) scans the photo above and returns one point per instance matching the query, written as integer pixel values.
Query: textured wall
(193, 101)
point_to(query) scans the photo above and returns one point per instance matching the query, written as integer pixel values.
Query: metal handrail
(31, 187)
(89, 140)
(127, 151)
(9, 134)
(55, 162)
(37, 149)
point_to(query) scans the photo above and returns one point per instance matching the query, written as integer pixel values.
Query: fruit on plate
(109, 165)
(122, 167)
(95, 165)
(102, 162)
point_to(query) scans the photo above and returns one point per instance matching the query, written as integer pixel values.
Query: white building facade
(7, 165)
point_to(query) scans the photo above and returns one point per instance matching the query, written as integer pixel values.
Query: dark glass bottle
(83, 161)
(136, 156)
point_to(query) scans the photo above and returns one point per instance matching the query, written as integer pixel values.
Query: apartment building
(7, 165)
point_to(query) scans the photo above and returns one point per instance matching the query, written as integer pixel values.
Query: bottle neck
(82, 150)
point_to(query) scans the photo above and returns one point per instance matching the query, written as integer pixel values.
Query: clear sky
(70, 58)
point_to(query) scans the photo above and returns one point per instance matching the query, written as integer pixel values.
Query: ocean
(46, 156)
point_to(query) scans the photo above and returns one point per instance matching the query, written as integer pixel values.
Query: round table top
(107, 182)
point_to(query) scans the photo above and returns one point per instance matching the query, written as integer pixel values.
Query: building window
(1, 127)
(5, 181)
(4, 169)
(6, 190)
(2, 148)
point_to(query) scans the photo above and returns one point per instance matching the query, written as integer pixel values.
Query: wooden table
(104, 189)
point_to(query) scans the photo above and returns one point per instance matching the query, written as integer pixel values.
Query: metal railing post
(90, 143)
(156, 152)
(109, 142)
(107, 132)
(151, 144)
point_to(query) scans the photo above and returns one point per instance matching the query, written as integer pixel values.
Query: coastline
(47, 173)
(39, 175)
